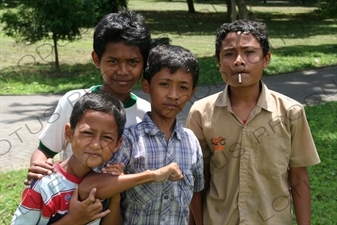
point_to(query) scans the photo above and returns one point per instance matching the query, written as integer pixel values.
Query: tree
(190, 6)
(36, 20)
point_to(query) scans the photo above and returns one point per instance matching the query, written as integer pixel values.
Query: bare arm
(196, 208)
(114, 217)
(299, 182)
(40, 164)
(109, 185)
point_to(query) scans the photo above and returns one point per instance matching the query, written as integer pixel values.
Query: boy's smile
(121, 67)
(93, 140)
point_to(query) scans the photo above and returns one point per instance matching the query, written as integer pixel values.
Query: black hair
(173, 58)
(102, 102)
(257, 29)
(124, 26)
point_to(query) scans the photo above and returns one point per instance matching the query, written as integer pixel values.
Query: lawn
(322, 120)
(299, 40)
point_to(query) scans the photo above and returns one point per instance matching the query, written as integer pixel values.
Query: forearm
(39, 155)
(196, 208)
(109, 185)
(300, 189)
(114, 217)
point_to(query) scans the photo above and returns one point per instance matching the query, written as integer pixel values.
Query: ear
(145, 86)
(266, 60)
(95, 59)
(192, 93)
(68, 133)
(118, 144)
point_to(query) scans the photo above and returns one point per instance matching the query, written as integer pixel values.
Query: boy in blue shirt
(170, 79)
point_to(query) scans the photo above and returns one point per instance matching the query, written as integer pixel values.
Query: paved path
(23, 117)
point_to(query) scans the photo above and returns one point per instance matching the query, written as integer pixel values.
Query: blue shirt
(144, 147)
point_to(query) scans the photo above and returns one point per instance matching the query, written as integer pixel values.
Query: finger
(91, 197)
(34, 176)
(50, 161)
(101, 214)
(27, 181)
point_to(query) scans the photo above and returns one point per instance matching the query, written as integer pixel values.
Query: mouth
(171, 106)
(93, 155)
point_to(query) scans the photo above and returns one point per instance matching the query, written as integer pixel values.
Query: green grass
(299, 40)
(323, 179)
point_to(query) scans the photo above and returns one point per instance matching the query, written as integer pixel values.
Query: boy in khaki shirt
(256, 142)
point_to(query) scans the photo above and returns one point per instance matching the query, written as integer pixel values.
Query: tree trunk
(190, 6)
(229, 10)
(243, 11)
(233, 11)
(57, 64)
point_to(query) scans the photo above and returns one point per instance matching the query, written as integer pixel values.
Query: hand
(38, 169)
(170, 172)
(85, 211)
(114, 169)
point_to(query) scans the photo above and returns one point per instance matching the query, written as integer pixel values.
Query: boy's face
(242, 53)
(121, 68)
(169, 92)
(94, 138)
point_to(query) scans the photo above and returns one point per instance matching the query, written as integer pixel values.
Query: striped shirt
(144, 147)
(47, 200)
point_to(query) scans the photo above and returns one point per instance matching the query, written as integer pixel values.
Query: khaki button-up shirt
(249, 162)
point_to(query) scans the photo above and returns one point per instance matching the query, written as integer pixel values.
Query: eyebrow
(243, 47)
(182, 81)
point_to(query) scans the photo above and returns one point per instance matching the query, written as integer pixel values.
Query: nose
(239, 61)
(95, 143)
(123, 68)
(173, 93)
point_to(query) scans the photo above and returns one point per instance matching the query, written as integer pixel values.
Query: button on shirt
(249, 162)
(144, 147)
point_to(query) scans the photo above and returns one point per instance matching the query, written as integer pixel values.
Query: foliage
(36, 20)
(327, 8)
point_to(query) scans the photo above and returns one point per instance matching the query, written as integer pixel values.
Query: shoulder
(206, 102)
(72, 96)
(285, 103)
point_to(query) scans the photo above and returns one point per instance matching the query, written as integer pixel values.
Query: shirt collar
(265, 99)
(151, 129)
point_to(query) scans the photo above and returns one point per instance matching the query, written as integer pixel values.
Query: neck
(74, 167)
(245, 95)
(122, 97)
(166, 125)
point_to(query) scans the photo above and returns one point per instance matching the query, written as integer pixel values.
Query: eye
(184, 88)
(133, 61)
(107, 138)
(164, 84)
(112, 61)
(87, 133)
(228, 54)
(249, 52)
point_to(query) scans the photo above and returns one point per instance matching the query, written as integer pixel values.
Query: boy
(256, 143)
(96, 126)
(121, 47)
(170, 79)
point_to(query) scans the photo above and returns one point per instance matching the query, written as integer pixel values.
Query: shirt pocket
(272, 155)
(219, 159)
(186, 189)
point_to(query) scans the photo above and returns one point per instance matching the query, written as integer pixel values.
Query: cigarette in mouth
(239, 78)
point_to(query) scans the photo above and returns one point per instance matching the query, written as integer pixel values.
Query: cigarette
(239, 78)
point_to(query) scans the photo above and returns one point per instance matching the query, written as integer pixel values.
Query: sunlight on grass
(299, 40)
